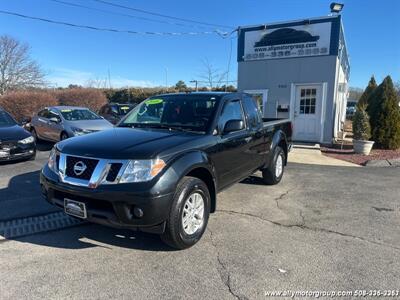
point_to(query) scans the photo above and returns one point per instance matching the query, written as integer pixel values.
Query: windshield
(6, 120)
(192, 112)
(78, 114)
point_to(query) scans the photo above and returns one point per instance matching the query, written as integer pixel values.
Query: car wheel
(274, 173)
(34, 134)
(189, 214)
(63, 136)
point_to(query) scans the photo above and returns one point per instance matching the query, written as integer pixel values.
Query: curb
(383, 163)
(31, 225)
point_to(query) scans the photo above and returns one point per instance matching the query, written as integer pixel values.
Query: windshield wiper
(159, 125)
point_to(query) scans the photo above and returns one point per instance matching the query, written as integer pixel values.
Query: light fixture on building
(336, 7)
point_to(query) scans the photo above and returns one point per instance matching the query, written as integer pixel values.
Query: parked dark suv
(114, 112)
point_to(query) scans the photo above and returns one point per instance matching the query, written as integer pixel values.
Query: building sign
(285, 42)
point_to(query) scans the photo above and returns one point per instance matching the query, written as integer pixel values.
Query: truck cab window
(232, 111)
(254, 114)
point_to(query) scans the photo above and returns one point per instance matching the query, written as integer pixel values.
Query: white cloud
(61, 77)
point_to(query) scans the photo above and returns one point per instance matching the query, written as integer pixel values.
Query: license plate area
(75, 208)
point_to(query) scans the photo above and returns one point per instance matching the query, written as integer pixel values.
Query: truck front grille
(113, 172)
(72, 162)
(88, 171)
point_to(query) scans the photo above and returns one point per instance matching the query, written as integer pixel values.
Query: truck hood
(125, 143)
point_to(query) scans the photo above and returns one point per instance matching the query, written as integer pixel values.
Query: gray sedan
(61, 122)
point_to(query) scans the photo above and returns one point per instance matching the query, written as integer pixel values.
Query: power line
(124, 15)
(218, 32)
(161, 15)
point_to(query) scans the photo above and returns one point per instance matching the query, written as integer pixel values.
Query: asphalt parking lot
(323, 228)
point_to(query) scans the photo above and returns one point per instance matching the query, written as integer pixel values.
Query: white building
(298, 70)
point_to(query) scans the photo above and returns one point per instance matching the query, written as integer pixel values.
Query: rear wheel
(274, 172)
(189, 214)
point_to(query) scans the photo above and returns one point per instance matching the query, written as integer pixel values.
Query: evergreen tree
(384, 114)
(361, 127)
(364, 99)
(181, 86)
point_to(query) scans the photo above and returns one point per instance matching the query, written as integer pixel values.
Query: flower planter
(362, 147)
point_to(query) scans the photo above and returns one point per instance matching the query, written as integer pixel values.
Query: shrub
(365, 97)
(90, 98)
(384, 114)
(22, 104)
(361, 126)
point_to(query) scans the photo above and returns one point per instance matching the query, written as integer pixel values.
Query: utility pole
(109, 79)
(196, 82)
(166, 78)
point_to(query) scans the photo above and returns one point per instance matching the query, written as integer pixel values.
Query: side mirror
(233, 125)
(54, 120)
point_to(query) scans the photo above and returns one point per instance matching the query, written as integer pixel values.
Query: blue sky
(71, 55)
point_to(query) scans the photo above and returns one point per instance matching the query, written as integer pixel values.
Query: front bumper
(111, 205)
(16, 151)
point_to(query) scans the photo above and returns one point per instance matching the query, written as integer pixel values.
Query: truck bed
(274, 121)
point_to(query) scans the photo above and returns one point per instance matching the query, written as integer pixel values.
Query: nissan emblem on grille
(79, 168)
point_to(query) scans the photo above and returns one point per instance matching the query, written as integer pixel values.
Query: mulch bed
(350, 156)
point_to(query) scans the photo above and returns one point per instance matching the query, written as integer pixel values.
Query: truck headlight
(52, 162)
(142, 170)
(27, 140)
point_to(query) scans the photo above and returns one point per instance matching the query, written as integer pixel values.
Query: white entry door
(307, 113)
(260, 96)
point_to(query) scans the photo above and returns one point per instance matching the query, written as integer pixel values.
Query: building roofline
(289, 21)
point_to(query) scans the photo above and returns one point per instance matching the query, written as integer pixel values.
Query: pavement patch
(37, 224)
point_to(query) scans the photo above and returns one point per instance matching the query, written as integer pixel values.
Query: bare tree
(211, 75)
(17, 69)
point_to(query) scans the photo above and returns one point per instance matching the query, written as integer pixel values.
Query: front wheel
(274, 172)
(189, 214)
(34, 134)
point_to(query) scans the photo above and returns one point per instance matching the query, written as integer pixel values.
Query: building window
(308, 101)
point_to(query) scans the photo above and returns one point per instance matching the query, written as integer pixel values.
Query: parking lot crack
(303, 220)
(223, 270)
(280, 198)
(303, 226)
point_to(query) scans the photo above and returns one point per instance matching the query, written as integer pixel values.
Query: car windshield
(185, 112)
(78, 114)
(124, 109)
(6, 120)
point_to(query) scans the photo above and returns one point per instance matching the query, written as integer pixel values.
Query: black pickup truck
(161, 168)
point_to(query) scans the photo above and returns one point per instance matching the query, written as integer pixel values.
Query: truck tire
(189, 214)
(274, 172)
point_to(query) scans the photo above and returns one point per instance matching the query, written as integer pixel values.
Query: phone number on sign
(332, 294)
(377, 293)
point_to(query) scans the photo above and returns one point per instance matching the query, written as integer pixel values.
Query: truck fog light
(137, 212)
